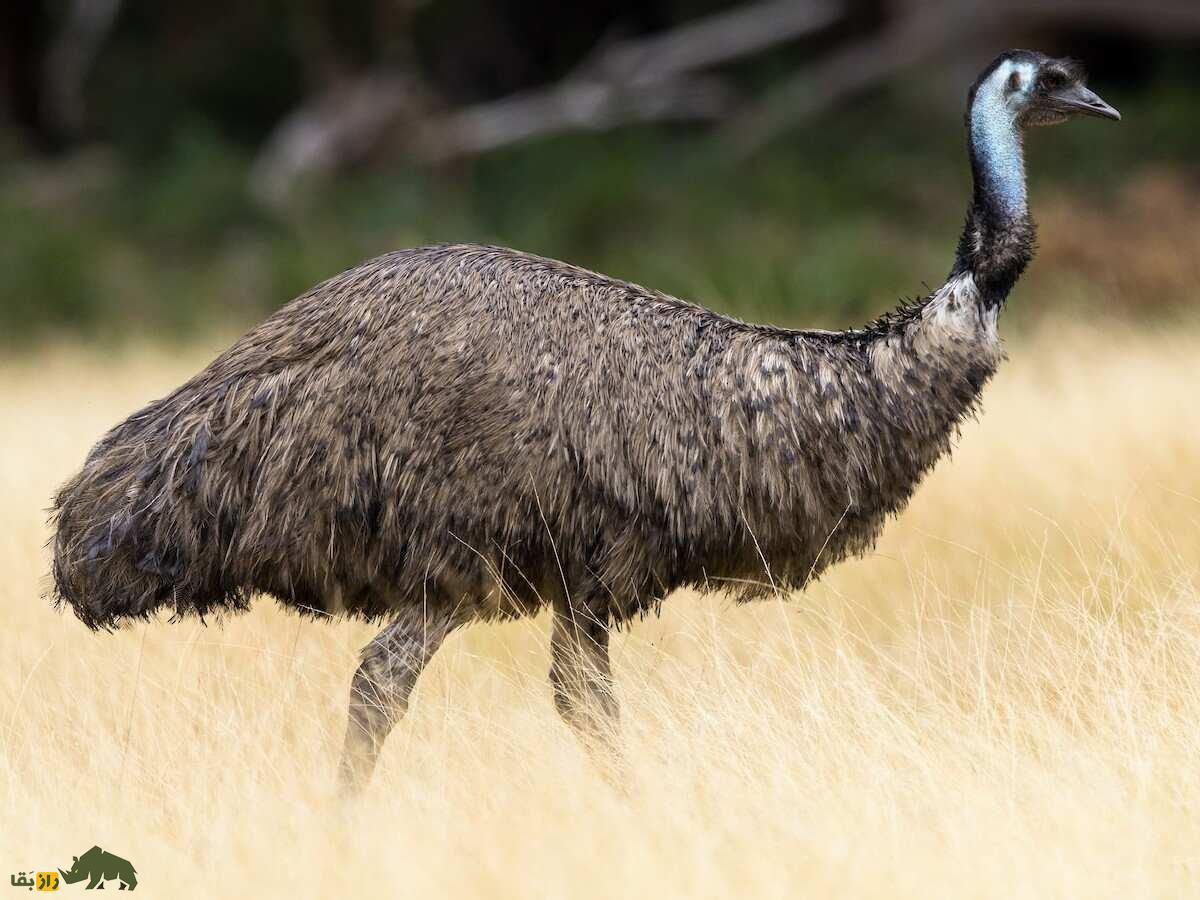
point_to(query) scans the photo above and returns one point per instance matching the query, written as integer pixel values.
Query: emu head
(1030, 88)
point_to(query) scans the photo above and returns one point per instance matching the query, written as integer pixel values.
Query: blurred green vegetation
(828, 226)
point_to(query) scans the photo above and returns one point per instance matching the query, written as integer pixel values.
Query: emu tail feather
(135, 533)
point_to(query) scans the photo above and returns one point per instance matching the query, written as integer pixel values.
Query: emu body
(459, 432)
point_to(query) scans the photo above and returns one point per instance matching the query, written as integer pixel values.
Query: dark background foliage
(140, 190)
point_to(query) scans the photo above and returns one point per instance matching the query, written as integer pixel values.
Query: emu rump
(457, 433)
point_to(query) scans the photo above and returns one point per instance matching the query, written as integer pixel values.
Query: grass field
(1002, 701)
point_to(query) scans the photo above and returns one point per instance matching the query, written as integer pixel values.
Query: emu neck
(997, 158)
(997, 241)
(932, 358)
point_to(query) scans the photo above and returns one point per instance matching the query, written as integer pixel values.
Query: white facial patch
(1019, 75)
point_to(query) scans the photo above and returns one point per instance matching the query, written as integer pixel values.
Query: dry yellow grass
(1003, 701)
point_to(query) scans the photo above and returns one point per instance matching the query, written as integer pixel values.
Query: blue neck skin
(997, 160)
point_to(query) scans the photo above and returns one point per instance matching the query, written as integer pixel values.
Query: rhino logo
(99, 866)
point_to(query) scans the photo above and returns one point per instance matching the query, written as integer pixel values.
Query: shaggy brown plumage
(465, 432)
(478, 425)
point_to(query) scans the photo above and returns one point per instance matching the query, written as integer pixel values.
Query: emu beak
(1079, 100)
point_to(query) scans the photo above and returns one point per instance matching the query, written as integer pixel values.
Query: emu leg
(379, 692)
(582, 680)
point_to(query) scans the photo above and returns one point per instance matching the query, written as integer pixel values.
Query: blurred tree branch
(667, 76)
(635, 80)
(343, 125)
(919, 32)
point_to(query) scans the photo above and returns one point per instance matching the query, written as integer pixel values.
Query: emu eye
(1051, 80)
(1014, 81)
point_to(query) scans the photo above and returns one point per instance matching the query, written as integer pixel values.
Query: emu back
(483, 428)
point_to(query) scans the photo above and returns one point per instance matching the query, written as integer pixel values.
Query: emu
(459, 433)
